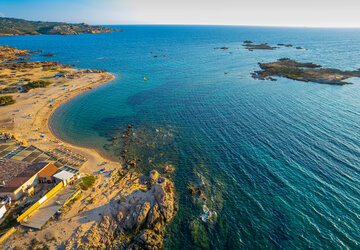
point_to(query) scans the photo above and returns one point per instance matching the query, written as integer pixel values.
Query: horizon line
(239, 25)
(199, 24)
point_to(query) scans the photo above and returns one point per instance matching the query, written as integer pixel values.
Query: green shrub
(6, 100)
(34, 85)
(87, 182)
(9, 90)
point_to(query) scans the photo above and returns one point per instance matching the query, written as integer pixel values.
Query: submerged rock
(48, 55)
(192, 190)
(169, 169)
(223, 48)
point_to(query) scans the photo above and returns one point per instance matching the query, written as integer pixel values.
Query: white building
(65, 176)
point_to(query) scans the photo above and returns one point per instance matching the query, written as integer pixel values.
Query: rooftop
(10, 168)
(33, 169)
(63, 175)
(14, 184)
(49, 170)
(23, 177)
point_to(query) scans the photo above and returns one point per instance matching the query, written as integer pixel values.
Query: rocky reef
(136, 216)
(15, 27)
(8, 53)
(250, 46)
(305, 72)
(223, 48)
(144, 147)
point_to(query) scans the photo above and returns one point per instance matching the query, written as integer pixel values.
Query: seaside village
(35, 185)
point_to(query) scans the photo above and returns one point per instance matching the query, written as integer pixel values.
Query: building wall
(47, 196)
(18, 193)
(44, 178)
(2, 211)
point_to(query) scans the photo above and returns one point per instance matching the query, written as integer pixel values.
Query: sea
(274, 164)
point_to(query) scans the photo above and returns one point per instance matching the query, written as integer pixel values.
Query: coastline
(86, 151)
(29, 127)
(116, 196)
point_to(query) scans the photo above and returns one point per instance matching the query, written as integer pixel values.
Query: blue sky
(308, 13)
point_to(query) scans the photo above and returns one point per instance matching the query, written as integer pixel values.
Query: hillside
(14, 27)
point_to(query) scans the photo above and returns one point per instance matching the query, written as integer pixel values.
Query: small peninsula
(16, 27)
(305, 72)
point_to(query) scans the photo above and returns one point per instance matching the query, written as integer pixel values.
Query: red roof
(26, 175)
(49, 170)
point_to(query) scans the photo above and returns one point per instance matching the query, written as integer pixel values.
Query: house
(66, 176)
(46, 175)
(24, 182)
(11, 168)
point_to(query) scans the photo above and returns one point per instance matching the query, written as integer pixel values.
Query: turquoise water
(279, 160)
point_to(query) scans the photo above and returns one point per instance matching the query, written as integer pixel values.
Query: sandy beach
(83, 221)
(28, 117)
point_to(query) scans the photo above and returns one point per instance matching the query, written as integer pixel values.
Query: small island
(16, 27)
(251, 46)
(305, 72)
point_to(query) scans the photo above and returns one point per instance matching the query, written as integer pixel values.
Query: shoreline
(110, 77)
(29, 127)
(100, 205)
(86, 151)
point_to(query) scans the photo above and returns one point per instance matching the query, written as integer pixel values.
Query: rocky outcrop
(147, 240)
(305, 72)
(8, 53)
(264, 46)
(137, 217)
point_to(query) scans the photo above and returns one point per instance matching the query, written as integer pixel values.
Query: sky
(298, 13)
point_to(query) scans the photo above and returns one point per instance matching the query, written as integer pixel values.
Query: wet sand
(28, 117)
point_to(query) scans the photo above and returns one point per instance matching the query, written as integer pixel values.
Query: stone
(153, 177)
(148, 239)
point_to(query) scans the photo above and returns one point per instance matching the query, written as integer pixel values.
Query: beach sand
(28, 120)
(28, 117)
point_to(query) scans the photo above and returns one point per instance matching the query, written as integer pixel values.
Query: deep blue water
(280, 160)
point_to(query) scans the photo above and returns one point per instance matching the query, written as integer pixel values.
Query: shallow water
(279, 160)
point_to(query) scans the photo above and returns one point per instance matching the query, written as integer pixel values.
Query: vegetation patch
(35, 84)
(15, 26)
(6, 100)
(87, 182)
(9, 90)
(8, 223)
